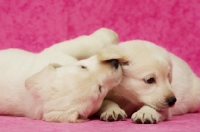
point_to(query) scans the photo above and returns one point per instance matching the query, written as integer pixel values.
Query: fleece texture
(36, 24)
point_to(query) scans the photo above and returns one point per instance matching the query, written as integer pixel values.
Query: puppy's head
(147, 73)
(78, 88)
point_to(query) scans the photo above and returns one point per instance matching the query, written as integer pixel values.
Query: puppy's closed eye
(150, 80)
(100, 90)
(83, 67)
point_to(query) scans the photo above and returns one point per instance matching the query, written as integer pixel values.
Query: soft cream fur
(53, 85)
(147, 102)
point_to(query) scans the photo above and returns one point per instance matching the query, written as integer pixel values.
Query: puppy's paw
(113, 115)
(146, 115)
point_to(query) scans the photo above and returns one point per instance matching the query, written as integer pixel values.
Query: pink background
(35, 24)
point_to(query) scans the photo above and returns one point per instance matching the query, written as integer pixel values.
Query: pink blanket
(35, 24)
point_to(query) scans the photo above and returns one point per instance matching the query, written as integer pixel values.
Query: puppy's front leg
(62, 116)
(86, 45)
(110, 111)
(148, 115)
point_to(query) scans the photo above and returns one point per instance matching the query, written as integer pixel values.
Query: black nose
(114, 63)
(171, 101)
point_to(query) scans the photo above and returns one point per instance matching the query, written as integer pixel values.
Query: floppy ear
(170, 66)
(170, 77)
(170, 74)
(112, 52)
(40, 82)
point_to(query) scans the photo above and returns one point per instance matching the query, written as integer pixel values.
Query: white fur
(146, 103)
(53, 85)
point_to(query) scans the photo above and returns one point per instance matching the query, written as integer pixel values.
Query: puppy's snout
(171, 101)
(114, 63)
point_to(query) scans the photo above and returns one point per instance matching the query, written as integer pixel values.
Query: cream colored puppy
(66, 91)
(154, 80)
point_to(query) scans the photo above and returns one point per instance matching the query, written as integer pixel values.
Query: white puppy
(153, 81)
(66, 91)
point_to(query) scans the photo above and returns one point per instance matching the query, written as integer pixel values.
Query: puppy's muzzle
(114, 63)
(171, 101)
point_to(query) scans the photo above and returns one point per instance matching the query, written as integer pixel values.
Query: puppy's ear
(112, 52)
(170, 73)
(170, 77)
(41, 81)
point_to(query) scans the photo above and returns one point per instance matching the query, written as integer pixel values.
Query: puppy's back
(13, 70)
(14, 62)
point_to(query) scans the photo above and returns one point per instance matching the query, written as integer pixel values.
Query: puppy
(154, 80)
(53, 85)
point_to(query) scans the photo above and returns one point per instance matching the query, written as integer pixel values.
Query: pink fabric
(35, 24)
(184, 123)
